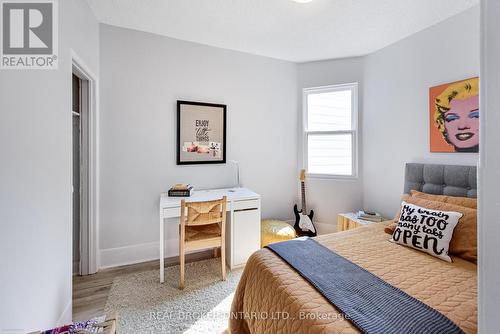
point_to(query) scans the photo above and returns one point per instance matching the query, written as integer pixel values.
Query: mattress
(272, 297)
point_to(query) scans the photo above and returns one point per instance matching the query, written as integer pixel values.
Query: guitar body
(302, 219)
(304, 225)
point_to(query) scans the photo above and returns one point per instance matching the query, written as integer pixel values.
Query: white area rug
(146, 306)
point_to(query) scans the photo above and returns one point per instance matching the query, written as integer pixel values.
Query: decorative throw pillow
(464, 241)
(462, 201)
(425, 229)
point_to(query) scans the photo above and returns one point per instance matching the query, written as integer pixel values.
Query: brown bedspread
(273, 298)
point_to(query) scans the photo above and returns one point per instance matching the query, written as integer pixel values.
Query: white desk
(242, 224)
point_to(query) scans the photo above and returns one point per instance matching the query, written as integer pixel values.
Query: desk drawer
(248, 204)
(171, 212)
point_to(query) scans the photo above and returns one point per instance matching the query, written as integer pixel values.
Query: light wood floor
(90, 293)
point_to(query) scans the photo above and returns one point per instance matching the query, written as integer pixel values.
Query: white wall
(489, 181)
(329, 197)
(395, 118)
(35, 178)
(142, 76)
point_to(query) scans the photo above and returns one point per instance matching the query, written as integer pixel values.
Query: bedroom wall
(142, 76)
(489, 199)
(395, 123)
(329, 197)
(35, 178)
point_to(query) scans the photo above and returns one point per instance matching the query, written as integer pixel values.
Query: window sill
(332, 177)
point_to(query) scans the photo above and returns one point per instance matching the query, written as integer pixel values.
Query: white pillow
(427, 230)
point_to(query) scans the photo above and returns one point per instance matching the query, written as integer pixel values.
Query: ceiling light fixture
(302, 1)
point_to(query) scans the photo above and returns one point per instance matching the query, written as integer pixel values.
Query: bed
(272, 297)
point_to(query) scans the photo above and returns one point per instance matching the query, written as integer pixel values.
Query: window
(330, 136)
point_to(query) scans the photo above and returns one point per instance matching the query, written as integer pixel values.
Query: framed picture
(454, 116)
(201, 133)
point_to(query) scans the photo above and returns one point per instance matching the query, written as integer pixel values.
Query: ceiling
(283, 29)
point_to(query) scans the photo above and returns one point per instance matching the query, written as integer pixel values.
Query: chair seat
(203, 228)
(200, 232)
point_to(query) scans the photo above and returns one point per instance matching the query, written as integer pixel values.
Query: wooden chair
(204, 228)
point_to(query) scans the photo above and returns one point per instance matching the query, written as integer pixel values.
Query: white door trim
(80, 68)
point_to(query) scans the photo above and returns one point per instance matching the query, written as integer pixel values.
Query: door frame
(89, 261)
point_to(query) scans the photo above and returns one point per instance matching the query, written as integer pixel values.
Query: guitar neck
(303, 191)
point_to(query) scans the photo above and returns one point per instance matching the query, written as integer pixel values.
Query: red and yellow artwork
(454, 116)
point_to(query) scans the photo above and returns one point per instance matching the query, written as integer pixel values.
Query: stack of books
(370, 216)
(180, 190)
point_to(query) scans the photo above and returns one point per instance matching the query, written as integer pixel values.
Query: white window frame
(354, 131)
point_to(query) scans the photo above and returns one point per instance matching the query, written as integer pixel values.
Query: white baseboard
(322, 228)
(121, 256)
(325, 228)
(66, 316)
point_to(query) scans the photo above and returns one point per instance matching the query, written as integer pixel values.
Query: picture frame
(454, 117)
(201, 133)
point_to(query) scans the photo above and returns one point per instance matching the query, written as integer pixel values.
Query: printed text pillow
(427, 230)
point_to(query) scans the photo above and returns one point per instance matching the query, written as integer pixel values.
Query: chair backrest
(204, 213)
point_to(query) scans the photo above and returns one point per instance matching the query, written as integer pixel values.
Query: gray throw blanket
(370, 303)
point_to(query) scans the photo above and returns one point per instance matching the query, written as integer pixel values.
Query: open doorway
(83, 113)
(77, 171)
(80, 148)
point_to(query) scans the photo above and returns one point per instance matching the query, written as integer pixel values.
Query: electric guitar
(303, 222)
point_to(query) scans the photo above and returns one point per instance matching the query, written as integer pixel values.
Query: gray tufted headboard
(441, 179)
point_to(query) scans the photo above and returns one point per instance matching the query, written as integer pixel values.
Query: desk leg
(162, 248)
(231, 240)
